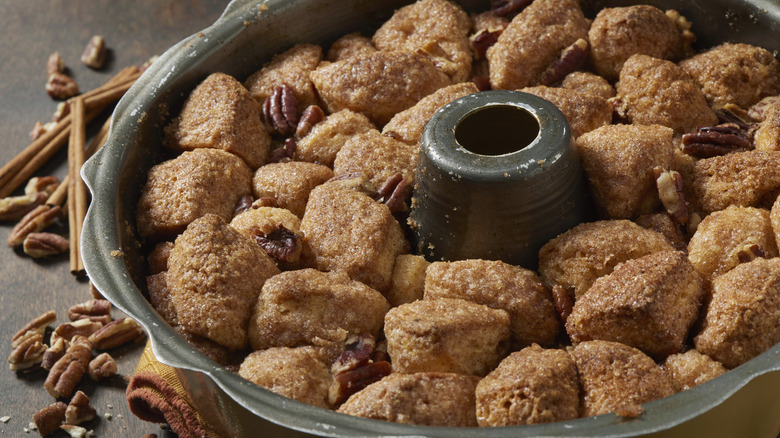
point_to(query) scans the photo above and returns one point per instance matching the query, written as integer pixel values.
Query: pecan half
(94, 54)
(49, 419)
(54, 353)
(572, 59)
(281, 244)
(750, 252)
(394, 193)
(670, 190)
(61, 86)
(312, 115)
(284, 153)
(27, 353)
(244, 203)
(280, 110)
(38, 245)
(711, 141)
(79, 410)
(482, 40)
(102, 367)
(55, 64)
(116, 333)
(93, 310)
(69, 330)
(37, 325)
(563, 302)
(67, 372)
(35, 221)
(14, 208)
(503, 8)
(360, 365)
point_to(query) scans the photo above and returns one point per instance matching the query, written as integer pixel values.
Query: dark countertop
(31, 31)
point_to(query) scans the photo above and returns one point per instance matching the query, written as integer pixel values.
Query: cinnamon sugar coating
(529, 386)
(767, 136)
(663, 224)
(619, 162)
(350, 46)
(309, 307)
(378, 157)
(533, 41)
(182, 189)
(289, 183)
(291, 67)
(589, 83)
(425, 399)
(584, 112)
(498, 285)
(578, 257)
(408, 281)
(741, 320)
(649, 303)
(220, 113)
(618, 33)
(412, 28)
(301, 373)
(377, 85)
(323, 142)
(691, 368)
(656, 91)
(615, 376)
(726, 236)
(446, 335)
(214, 276)
(740, 74)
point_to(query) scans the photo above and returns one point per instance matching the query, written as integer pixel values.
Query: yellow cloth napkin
(156, 394)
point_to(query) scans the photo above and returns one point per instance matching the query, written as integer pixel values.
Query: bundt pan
(743, 403)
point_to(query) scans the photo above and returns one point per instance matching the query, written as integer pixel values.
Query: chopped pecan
(349, 382)
(36, 220)
(102, 367)
(710, 141)
(94, 54)
(54, 353)
(572, 59)
(356, 354)
(61, 86)
(563, 302)
(750, 252)
(670, 190)
(55, 64)
(394, 192)
(482, 40)
(49, 419)
(74, 431)
(759, 111)
(93, 310)
(27, 353)
(63, 109)
(265, 201)
(281, 244)
(244, 203)
(503, 8)
(38, 245)
(81, 327)
(38, 130)
(67, 372)
(280, 110)
(116, 333)
(356, 181)
(731, 113)
(37, 325)
(284, 153)
(79, 410)
(438, 56)
(312, 115)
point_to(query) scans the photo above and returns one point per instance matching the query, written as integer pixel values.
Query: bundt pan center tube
(743, 402)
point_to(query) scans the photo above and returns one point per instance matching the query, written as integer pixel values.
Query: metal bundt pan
(744, 402)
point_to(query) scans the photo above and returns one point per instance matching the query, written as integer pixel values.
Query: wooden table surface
(30, 31)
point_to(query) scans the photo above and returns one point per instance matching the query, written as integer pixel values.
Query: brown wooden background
(29, 32)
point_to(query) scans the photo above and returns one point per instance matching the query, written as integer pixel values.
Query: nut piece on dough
(219, 113)
(741, 320)
(578, 257)
(289, 183)
(529, 386)
(618, 33)
(326, 138)
(740, 74)
(649, 303)
(435, 28)
(584, 111)
(449, 400)
(619, 162)
(616, 377)
(378, 157)
(347, 230)
(195, 183)
(309, 307)
(691, 368)
(292, 68)
(378, 85)
(214, 276)
(655, 91)
(446, 335)
(729, 237)
(533, 41)
(301, 373)
(499, 285)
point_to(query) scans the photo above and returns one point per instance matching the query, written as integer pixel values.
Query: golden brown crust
(378, 157)
(767, 136)
(741, 320)
(289, 183)
(426, 399)
(350, 46)
(291, 67)
(323, 142)
(691, 368)
(529, 386)
(446, 335)
(663, 224)
(649, 303)
(589, 83)
(499, 285)
(408, 282)
(584, 112)
(615, 376)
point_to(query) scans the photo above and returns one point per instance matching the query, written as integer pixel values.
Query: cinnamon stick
(78, 202)
(57, 197)
(12, 167)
